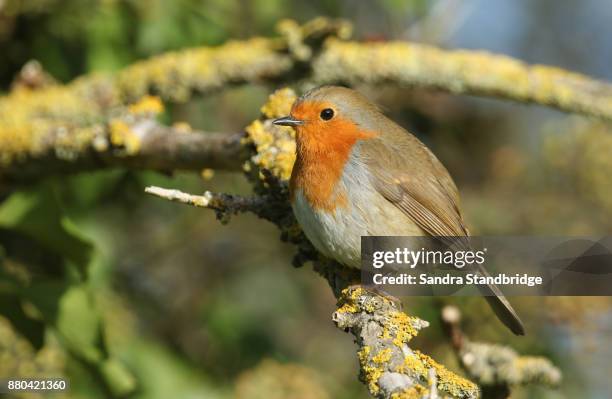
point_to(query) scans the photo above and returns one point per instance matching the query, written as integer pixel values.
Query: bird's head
(330, 116)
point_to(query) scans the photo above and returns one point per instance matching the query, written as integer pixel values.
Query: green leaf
(38, 214)
(78, 322)
(28, 258)
(118, 378)
(45, 295)
(31, 329)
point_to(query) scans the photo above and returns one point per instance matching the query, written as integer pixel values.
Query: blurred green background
(159, 300)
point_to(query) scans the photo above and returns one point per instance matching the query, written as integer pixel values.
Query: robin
(358, 173)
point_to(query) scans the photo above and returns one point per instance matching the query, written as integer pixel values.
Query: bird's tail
(501, 306)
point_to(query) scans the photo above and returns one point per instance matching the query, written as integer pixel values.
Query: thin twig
(496, 367)
(382, 331)
(224, 205)
(202, 201)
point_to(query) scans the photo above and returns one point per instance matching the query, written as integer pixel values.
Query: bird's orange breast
(323, 148)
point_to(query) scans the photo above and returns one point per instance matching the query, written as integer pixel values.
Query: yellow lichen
(348, 308)
(175, 75)
(447, 381)
(419, 364)
(122, 136)
(382, 357)
(279, 103)
(207, 173)
(371, 373)
(66, 120)
(274, 145)
(147, 105)
(353, 293)
(399, 328)
(348, 300)
(364, 353)
(28, 118)
(182, 127)
(412, 365)
(414, 392)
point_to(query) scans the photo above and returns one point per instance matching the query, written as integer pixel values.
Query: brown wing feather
(411, 178)
(408, 175)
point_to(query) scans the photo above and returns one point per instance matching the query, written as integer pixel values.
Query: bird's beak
(288, 121)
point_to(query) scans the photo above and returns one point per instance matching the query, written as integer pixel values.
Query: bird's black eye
(327, 114)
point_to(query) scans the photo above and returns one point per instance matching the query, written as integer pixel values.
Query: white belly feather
(338, 235)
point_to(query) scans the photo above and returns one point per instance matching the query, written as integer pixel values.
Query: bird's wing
(410, 177)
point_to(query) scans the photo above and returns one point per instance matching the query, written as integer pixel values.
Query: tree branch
(496, 367)
(224, 204)
(153, 147)
(127, 136)
(59, 124)
(163, 148)
(462, 72)
(87, 124)
(389, 367)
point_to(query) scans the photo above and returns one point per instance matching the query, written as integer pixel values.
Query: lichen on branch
(60, 131)
(108, 121)
(462, 72)
(67, 122)
(493, 364)
(389, 366)
(496, 367)
(174, 76)
(74, 123)
(274, 146)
